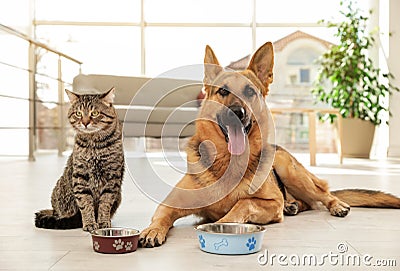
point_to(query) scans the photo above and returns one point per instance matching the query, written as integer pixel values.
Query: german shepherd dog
(234, 174)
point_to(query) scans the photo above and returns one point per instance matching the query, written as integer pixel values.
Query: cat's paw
(106, 224)
(90, 227)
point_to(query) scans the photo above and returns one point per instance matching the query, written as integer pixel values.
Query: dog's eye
(223, 91)
(249, 92)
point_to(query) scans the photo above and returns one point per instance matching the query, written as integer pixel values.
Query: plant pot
(357, 137)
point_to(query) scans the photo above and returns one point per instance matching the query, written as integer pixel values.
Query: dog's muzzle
(235, 124)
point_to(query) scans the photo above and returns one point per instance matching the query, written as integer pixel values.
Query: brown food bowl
(115, 240)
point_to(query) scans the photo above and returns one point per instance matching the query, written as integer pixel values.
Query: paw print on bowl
(96, 245)
(251, 243)
(202, 241)
(118, 244)
(128, 246)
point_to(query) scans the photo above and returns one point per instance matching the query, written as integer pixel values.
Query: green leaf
(356, 88)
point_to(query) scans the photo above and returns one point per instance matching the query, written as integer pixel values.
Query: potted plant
(349, 81)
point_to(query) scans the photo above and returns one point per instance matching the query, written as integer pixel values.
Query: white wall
(394, 67)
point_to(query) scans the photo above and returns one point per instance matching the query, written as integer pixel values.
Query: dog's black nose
(236, 111)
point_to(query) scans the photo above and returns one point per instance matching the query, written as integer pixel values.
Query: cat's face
(91, 113)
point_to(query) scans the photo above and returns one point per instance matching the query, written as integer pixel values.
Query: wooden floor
(366, 234)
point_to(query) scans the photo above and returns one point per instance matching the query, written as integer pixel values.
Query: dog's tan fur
(257, 196)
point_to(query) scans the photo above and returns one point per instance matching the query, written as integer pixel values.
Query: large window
(148, 37)
(103, 49)
(151, 37)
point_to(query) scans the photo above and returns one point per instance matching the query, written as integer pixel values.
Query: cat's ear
(72, 96)
(108, 97)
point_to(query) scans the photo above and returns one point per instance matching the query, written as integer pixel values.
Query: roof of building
(279, 45)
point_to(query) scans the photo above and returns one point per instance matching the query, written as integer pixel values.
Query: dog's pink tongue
(237, 142)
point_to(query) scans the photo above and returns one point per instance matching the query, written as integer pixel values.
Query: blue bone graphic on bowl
(223, 242)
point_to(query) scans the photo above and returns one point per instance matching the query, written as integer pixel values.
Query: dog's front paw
(90, 227)
(340, 209)
(152, 237)
(291, 208)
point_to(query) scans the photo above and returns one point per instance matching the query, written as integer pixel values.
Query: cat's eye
(94, 113)
(78, 114)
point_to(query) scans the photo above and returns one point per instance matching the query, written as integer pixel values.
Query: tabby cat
(89, 191)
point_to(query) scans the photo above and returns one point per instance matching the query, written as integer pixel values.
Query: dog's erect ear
(262, 64)
(211, 66)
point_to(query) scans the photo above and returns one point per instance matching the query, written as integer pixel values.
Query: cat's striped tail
(47, 220)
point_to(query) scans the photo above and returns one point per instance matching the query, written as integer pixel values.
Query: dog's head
(239, 94)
